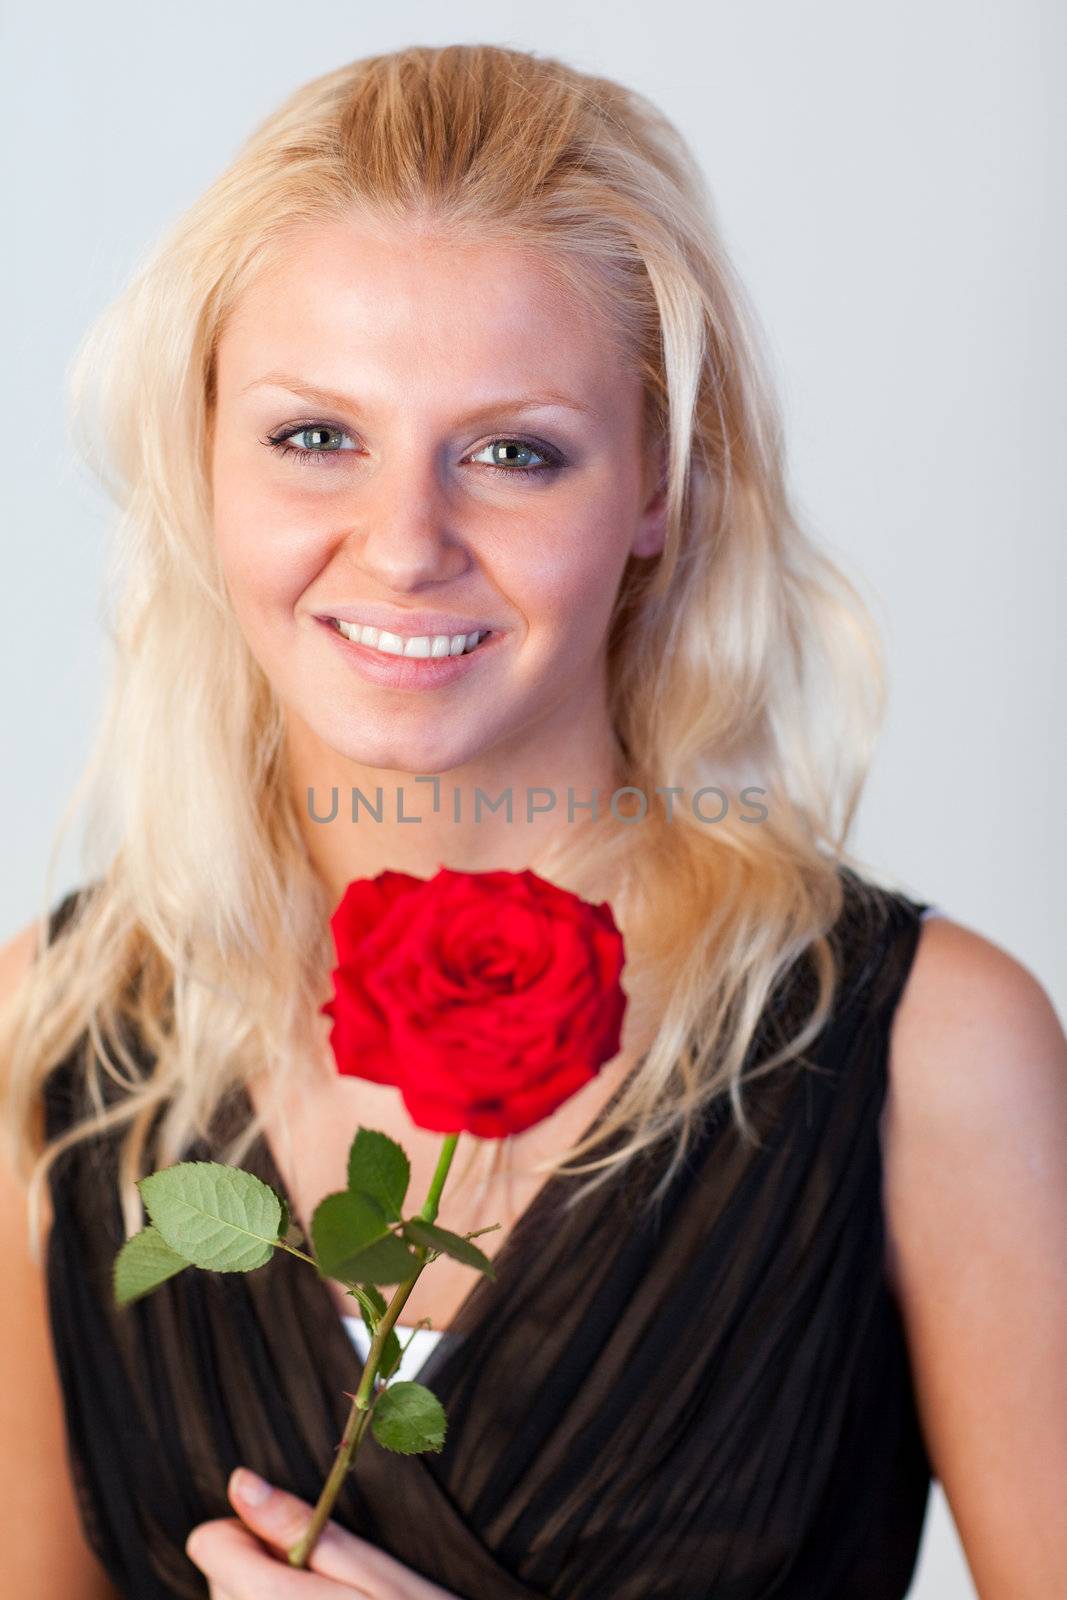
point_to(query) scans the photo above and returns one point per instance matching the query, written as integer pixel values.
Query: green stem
(444, 1161)
(362, 1401)
(280, 1244)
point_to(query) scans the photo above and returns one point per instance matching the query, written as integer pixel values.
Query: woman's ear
(651, 532)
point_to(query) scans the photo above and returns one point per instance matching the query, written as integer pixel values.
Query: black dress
(712, 1401)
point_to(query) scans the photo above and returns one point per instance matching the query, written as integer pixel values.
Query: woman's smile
(382, 662)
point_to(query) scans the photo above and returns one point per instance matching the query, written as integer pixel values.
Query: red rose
(487, 998)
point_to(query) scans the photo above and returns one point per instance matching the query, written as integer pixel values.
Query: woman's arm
(975, 1191)
(45, 1553)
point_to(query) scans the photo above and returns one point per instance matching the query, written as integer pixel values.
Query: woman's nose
(404, 528)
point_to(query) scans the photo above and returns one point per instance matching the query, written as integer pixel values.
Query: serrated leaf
(353, 1241)
(144, 1262)
(218, 1217)
(342, 1224)
(378, 1166)
(387, 1260)
(450, 1244)
(408, 1418)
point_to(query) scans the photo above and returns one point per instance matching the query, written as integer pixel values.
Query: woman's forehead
(345, 319)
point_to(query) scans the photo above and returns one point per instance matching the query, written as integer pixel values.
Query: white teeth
(422, 645)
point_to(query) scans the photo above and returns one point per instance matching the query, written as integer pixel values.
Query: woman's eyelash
(552, 460)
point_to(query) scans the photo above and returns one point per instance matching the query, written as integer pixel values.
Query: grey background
(889, 182)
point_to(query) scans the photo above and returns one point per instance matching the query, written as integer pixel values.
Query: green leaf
(371, 1303)
(353, 1241)
(343, 1223)
(144, 1262)
(218, 1217)
(387, 1260)
(450, 1244)
(378, 1166)
(409, 1418)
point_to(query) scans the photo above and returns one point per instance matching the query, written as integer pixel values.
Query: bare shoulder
(976, 1050)
(17, 956)
(975, 1191)
(45, 1553)
(960, 986)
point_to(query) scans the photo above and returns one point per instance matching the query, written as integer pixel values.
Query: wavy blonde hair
(741, 654)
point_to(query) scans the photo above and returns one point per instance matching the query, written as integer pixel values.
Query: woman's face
(471, 458)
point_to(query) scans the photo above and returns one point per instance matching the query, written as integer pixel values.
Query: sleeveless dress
(709, 1399)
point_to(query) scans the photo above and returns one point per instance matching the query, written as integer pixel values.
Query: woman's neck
(359, 821)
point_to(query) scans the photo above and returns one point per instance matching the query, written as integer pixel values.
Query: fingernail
(250, 1488)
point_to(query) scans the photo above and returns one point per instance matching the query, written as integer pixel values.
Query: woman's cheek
(268, 563)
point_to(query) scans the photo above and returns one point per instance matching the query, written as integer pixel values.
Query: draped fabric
(711, 1398)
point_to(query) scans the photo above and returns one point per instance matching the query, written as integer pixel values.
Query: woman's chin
(389, 761)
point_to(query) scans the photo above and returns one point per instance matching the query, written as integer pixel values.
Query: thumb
(281, 1518)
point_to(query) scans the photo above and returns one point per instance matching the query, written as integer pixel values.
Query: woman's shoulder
(975, 1191)
(54, 1557)
(964, 1018)
(20, 950)
(977, 1064)
(17, 955)
(972, 1022)
(971, 1027)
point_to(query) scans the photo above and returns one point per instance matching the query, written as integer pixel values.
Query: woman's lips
(408, 672)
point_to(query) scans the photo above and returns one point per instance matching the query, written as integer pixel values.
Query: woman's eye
(309, 430)
(508, 455)
(515, 452)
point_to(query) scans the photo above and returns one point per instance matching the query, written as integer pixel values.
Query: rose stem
(359, 1415)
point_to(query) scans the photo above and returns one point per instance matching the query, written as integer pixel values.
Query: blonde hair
(742, 654)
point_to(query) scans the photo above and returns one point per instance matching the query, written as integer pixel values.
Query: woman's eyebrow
(332, 397)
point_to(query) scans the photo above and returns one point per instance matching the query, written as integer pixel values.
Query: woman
(453, 353)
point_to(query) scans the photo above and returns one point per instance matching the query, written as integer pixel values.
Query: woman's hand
(230, 1554)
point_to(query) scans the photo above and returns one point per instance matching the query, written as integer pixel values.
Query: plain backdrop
(889, 182)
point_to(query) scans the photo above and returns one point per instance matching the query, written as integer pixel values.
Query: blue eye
(550, 459)
(280, 441)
